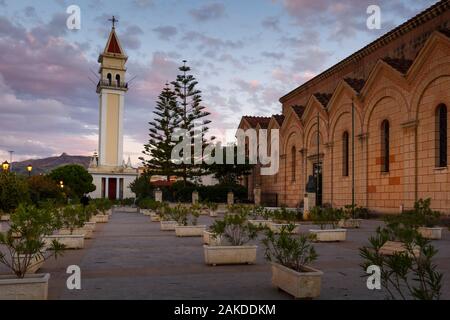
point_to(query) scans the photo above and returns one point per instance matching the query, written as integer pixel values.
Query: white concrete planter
(101, 218)
(301, 285)
(204, 212)
(146, 212)
(5, 217)
(90, 226)
(276, 227)
(215, 255)
(127, 209)
(31, 287)
(390, 248)
(155, 218)
(189, 231)
(168, 225)
(261, 223)
(87, 233)
(70, 241)
(329, 235)
(350, 223)
(431, 233)
(208, 238)
(213, 213)
(36, 262)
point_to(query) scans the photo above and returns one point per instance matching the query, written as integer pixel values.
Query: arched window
(385, 146)
(109, 77)
(345, 154)
(441, 135)
(294, 163)
(118, 79)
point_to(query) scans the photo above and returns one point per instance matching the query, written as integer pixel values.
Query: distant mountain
(48, 164)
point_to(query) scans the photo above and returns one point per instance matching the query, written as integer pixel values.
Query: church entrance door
(112, 188)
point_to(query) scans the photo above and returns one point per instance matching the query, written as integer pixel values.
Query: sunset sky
(245, 54)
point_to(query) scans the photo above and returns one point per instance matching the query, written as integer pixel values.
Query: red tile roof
(114, 45)
(323, 98)
(356, 84)
(401, 65)
(254, 121)
(279, 118)
(299, 110)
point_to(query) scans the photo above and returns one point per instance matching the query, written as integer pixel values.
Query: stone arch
(424, 82)
(383, 93)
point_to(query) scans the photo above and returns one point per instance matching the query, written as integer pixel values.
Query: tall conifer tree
(192, 119)
(160, 145)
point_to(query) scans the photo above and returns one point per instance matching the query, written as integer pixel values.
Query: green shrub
(291, 251)
(404, 275)
(148, 203)
(326, 217)
(284, 215)
(71, 217)
(355, 212)
(32, 224)
(235, 229)
(13, 191)
(102, 204)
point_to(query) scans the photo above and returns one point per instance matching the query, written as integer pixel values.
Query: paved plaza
(130, 258)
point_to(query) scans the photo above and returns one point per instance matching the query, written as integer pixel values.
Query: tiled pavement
(130, 258)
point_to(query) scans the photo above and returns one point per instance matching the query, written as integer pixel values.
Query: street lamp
(5, 166)
(29, 168)
(61, 184)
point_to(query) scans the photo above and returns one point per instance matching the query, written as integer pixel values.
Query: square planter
(5, 217)
(87, 233)
(329, 235)
(276, 227)
(168, 225)
(350, 223)
(70, 241)
(189, 231)
(301, 285)
(36, 262)
(155, 218)
(213, 213)
(101, 218)
(261, 223)
(216, 255)
(390, 248)
(90, 226)
(31, 287)
(208, 238)
(146, 212)
(431, 233)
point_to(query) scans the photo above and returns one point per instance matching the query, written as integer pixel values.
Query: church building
(112, 176)
(375, 126)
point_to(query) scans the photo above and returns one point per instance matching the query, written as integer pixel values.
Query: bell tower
(111, 175)
(111, 89)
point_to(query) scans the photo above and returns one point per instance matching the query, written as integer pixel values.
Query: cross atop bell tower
(113, 20)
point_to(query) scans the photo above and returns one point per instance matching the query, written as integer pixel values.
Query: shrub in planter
(235, 232)
(33, 225)
(71, 217)
(424, 219)
(409, 273)
(212, 208)
(352, 216)
(187, 218)
(327, 219)
(290, 256)
(103, 205)
(283, 217)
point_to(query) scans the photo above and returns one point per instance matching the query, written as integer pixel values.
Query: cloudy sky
(245, 54)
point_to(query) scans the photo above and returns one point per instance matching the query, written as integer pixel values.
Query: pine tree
(192, 119)
(160, 145)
